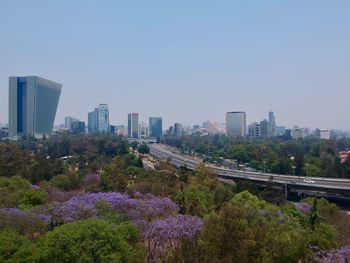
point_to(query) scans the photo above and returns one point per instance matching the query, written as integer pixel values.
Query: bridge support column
(286, 191)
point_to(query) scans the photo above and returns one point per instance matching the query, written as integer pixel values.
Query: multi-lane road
(318, 184)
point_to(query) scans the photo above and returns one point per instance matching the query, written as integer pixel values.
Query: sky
(186, 61)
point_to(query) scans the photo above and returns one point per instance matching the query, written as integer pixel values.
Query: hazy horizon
(184, 61)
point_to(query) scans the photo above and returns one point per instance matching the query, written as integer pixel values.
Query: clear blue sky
(184, 60)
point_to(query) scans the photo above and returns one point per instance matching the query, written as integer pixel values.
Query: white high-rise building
(236, 124)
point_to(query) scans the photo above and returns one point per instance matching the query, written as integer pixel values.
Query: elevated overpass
(331, 188)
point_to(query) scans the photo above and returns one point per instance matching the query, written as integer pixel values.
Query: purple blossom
(303, 207)
(151, 206)
(166, 234)
(341, 255)
(12, 211)
(146, 207)
(34, 186)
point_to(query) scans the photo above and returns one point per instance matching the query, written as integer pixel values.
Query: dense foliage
(100, 205)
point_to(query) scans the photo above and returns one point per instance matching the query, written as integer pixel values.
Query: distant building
(155, 126)
(288, 134)
(266, 129)
(323, 134)
(121, 130)
(212, 127)
(68, 122)
(103, 118)
(255, 131)
(93, 121)
(112, 129)
(272, 122)
(280, 130)
(236, 124)
(4, 132)
(133, 125)
(170, 130)
(297, 133)
(143, 131)
(178, 129)
(77, 127)
(33, 104)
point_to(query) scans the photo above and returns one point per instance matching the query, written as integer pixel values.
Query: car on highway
(308, 181)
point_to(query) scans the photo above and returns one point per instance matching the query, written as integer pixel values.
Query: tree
(12, 190)
(12, 160)
(194, 202)
(84, 241)
(143, 149)
(240, 153)
(33, 197)
(114, 177)
(15, 248)
(273, 193)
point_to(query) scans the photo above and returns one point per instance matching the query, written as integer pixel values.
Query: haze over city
(185, 62)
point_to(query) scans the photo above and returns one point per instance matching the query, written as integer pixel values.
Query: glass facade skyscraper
(133, 125)
(93, 121)
(155, 126)
(103, 118)
(33, 104)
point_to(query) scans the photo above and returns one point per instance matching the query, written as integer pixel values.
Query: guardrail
(259, 176)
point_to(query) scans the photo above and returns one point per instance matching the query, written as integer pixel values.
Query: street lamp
(264, 162)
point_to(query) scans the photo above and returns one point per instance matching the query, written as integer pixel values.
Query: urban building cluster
(33, 104)
(98, 122)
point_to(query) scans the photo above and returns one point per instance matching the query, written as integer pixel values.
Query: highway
(334, 185)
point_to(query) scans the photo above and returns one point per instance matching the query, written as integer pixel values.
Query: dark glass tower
(155, 126)
(33, 104)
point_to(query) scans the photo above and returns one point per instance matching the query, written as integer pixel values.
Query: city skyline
(185, 62)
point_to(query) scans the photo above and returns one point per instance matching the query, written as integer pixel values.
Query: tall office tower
(236, 124)
(103, 118)
(33, 104)
(178, 129)
(266, 129)
(93, 121)
(133, 125)
(272, 122)
(155, 126)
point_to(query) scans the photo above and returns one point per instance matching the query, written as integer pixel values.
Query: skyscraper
(33, 104)
(93, 121)
(155, 126)
(236, 124)
(103, 118)
(133, 125)
(272, 122)
(178, 129)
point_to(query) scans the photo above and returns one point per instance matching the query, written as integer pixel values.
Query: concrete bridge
(330, 188)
